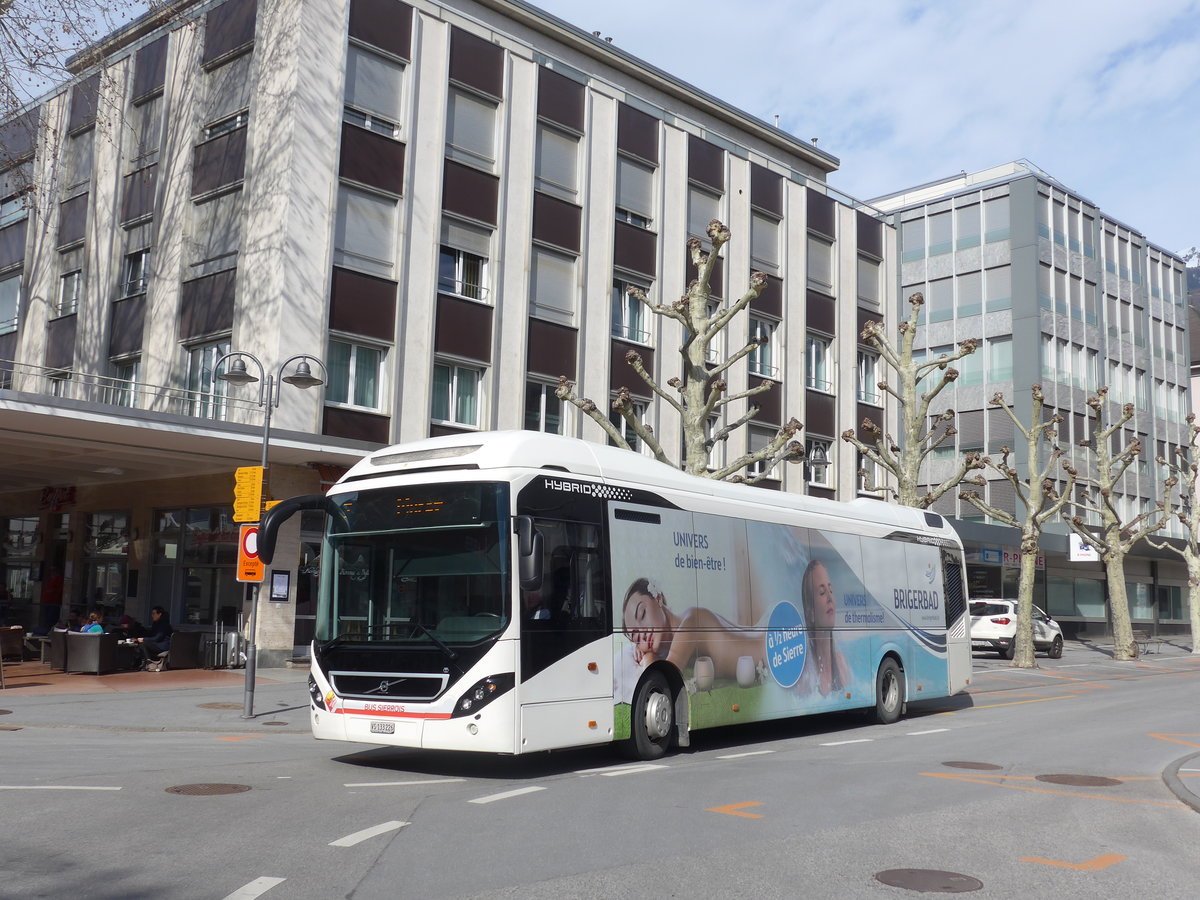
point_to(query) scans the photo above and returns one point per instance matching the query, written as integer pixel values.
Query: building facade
(442, 202)
(1060, 293)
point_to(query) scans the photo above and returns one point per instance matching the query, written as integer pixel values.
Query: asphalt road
(1045, 782)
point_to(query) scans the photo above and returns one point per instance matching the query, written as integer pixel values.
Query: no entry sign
(249, 567)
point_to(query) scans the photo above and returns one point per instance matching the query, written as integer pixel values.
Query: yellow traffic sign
(247, 494)
(249, 566)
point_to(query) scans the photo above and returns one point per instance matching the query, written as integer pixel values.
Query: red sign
(249, 567)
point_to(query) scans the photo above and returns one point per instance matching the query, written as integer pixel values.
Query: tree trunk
(1023, 657)
(1193, 564)
(1124, 646)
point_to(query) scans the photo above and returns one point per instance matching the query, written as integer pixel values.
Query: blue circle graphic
(787, 644)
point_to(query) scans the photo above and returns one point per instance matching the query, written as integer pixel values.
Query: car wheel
(1011, 650)
(652, 719)
(1055, 651)
(889, 692)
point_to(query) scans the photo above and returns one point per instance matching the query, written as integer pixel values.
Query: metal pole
(252, 638)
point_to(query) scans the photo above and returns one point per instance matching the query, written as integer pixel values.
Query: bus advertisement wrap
(768, 620)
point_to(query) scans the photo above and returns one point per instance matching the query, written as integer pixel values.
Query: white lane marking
(930, 731)
(506, 794)
(256, 888)
(855, 741)
(401, 783)
(54, 787)
(623, 769)
(741, 755)
(359, 836)
(1189, 770)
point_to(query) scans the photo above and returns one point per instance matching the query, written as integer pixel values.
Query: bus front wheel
(652, 719)
(889, 692)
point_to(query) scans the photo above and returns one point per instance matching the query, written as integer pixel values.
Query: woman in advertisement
(825, 669)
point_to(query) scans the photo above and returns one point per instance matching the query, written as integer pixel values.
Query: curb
(1175, 783)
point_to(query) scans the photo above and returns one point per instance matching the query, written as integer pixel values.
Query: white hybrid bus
(511, 592)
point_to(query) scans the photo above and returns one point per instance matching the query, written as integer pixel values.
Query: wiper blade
(445, 648)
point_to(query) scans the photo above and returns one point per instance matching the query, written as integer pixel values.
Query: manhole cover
(1080, 780)
(207, 790)
(218, 706)
(274, 723)
(929, 881)
(5, 712)
(958, 764)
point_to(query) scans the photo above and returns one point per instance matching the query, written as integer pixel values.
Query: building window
(226, 125)
(999, 359)
(354, 375)
(970, 369)
(703, 207)
(757, 439)
(628, 313)
(147, 125)
(635, 192)
(122, 389)
(364, 231)
(462, 273)
(764, 242)
(817, 365)
(471, 129)
(543, 409)
(77, 163)
(13, 209)
(553, 286)
(939, 300)
(456, 394)
(868, 281)
(820, 264)
(970, 294)
(912, 240)
(995, 220)
(762, 357)
(69, 286)
(10, 302)
(868, 378)
(997, 286)
(966, 223)
(137, 268)
(940, 234)
(869, 473)
(556, 169)
(374, 91)
(626, 430)
(819, 476)
(206, 397)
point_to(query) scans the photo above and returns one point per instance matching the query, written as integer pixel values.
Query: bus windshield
(416, 565)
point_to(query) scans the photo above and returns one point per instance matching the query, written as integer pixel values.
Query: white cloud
(904, 92)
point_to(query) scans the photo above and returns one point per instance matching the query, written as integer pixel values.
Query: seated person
(72, 622)
(95, 623)
(157, 639)
(129, 628)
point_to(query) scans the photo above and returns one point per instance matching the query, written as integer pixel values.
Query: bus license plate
(383, 728)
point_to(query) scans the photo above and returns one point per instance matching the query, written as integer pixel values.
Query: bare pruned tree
(1038, 492)
(920, 434)
(1109, 531)
(1182, 474)
(702, 394)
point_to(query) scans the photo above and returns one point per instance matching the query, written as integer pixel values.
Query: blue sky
(1103, 95)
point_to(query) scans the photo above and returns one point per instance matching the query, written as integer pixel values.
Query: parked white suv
(994, 627)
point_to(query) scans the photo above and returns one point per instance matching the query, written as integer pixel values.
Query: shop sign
(1081, 552)
(56, 498)
(1012, 558)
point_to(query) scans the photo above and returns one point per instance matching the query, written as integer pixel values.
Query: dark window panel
(637, 133)
(356, 426)
(206, 305)
(137, 200)
(556, 222)
(552, 349)
(386, 24)
(8, 352)
(770, 301)
(822, 214)
(72, 221)
(716, 281)
(150, 69)
(18, 137)
(822, 314)
(865, 316)
(373, 159)
(128, 320)
(635, 249)
(469, 192)
(820, 414)
(60, 342)
(476, 63)
(463, 328)
(219, 162)
(437, 429)
(621, 374)
(825, 493)
(706, 163)
(766, 189)
(769, 403)
(230, 28)
(870, 235)
(361, 304)
(12, 243)
(865, 412)
(84, 97)
(560, 99)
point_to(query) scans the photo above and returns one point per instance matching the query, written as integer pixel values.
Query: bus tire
(889, 692)
(651, 718)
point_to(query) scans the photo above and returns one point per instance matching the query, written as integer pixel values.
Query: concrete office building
(1059, 292)
(443, 202)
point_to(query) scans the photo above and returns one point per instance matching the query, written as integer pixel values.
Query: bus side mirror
(529, 553)
(273, 518)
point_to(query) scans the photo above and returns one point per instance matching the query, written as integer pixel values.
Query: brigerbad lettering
(914, 598)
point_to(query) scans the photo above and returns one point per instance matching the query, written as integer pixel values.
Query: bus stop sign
(249, 567)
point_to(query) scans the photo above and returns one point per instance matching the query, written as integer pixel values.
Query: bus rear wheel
(889, 692)
(652, 719)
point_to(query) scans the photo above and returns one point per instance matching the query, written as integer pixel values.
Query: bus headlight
(482, 693)
(315, 693)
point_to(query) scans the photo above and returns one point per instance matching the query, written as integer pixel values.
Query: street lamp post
(269, 385)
